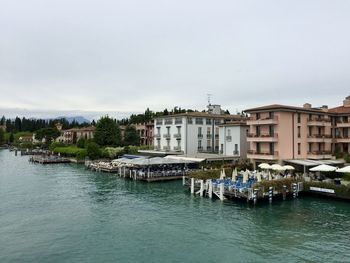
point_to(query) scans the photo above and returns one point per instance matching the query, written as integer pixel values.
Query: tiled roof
(84, 129)
(283, 107)
(340, 110)
(202, 114)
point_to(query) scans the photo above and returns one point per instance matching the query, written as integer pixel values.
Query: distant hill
(78, 119)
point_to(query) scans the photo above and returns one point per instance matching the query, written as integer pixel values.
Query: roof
(91, 128)
(284, 108)
(340, 110)
(202, 114)
(307, 162)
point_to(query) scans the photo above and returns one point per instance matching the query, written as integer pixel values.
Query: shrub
(81, 143)
(93, 150)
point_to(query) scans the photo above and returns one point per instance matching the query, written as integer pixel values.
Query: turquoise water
(64, 213)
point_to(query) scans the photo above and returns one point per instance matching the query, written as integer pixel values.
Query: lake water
(65, 213)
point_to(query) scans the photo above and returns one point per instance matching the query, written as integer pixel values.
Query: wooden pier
(48, 160)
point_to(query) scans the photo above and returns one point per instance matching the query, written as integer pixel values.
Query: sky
(91, 58)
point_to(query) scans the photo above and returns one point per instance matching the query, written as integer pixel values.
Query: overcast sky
(94, 57)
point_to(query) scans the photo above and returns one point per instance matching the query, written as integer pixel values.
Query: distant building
(146, 132)
(233, 139)
(71, 136)
(191, 132)
(26, 138)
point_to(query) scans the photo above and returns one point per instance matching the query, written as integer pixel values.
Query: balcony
(177, 136)
(342, 139)
(177, 148)
(157, 136)
(200, 136)
(228, 138)
(209, 148)
(235, 153)
(216, 136)
(262, 155)
(319, 138)
(262, 137)
(167, 136)
(166, 148)
(343, 124)
(200, 148)
(319, 122)
(319, 155)
(265, 121)
(209, 136)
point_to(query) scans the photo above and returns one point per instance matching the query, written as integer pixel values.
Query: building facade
(233, 139)
(192, 132)
(71, 136)
(146, 132)
(280, 132)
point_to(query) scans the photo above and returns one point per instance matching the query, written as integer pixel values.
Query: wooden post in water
(255, 195)
(202, 188)
(210, 188)
(284, 192)
(222, 191)
(294, 187)
(183, 180)
(192, 185)
(270, 194)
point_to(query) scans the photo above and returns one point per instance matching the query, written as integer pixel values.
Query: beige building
(71, 136)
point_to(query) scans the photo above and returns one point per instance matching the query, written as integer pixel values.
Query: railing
(209, 148)
(252, 135)
(166, 148)
(167, 136)
(236, 153)
(200, 148)
(177, 148)
(216, 136)
(177, 136)
(200, 136)
(319, 152)
(228, 138)
(157, 136)
(261, 121)
(319, 119)
(327, 136)
(275, 153)
(209, 136)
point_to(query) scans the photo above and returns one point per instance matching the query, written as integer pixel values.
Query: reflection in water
(64, 213)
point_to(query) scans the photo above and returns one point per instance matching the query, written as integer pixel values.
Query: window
(258, 147)
(299, 132)
(346, 132)
(299, 118)
(258, 116)
(257, 131)
(236, 150)
(208, 121)
(199, 130)
(168, 121)
(310, 147)
(319, 147)
(178, 120)
(271, 131)
(299, 145)
(272, 148)
(310, 131)
(159, 122)
(229, 132)
(199, 120)
(189, 120)
(271, 114)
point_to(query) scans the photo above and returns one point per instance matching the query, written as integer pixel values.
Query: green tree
(93, 150)
(131, 137)
(48, 133)
(81, 143)
(107, 132)
(2, 136)
(11, 138)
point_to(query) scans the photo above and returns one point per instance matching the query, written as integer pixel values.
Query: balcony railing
(263, 121)
(157, 148)
(228, 138)
(167, 136)
(262, 135)
(275, 153)
(319, 122)
(209, 136)
(235, 153)
(157, 136)
(319, 152)
(177, 148)
(322, 136)
(216, 136)
(200, 136)
(166, 148)
(209, 148)
(200, 148)
(177, 136)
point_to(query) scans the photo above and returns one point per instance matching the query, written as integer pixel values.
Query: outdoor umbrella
(288, 167)
(345, 169)
(323, 168)
(277, 167)
(234, 175)
(264, 166)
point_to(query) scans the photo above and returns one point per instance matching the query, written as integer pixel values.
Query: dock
(49, 159)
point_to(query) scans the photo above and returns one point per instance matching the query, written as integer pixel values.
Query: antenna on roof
(209, 98)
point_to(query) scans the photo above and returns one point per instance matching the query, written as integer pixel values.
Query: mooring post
(222, 191)
(255, 195)
(210, 188)
(284, 192)
(294, 186)
(192, 185)
(202, 188)
(270, 194)
(183, 180)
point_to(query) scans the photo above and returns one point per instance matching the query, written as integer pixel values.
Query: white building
(233, 139)
(192, 132)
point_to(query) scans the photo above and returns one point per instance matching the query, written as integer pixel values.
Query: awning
(186, 159)
(307, 162)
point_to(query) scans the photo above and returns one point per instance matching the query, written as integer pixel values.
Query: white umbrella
(270, 176)
(223, 173)
(288, 167)
(264, 166)
(323, 168)
(277, 167)
(258, 177)
(345, 169)
(245, 177)
(234, 175)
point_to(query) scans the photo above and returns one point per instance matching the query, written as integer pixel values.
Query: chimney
(307, 106)
(346, 102)
(324, 108)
